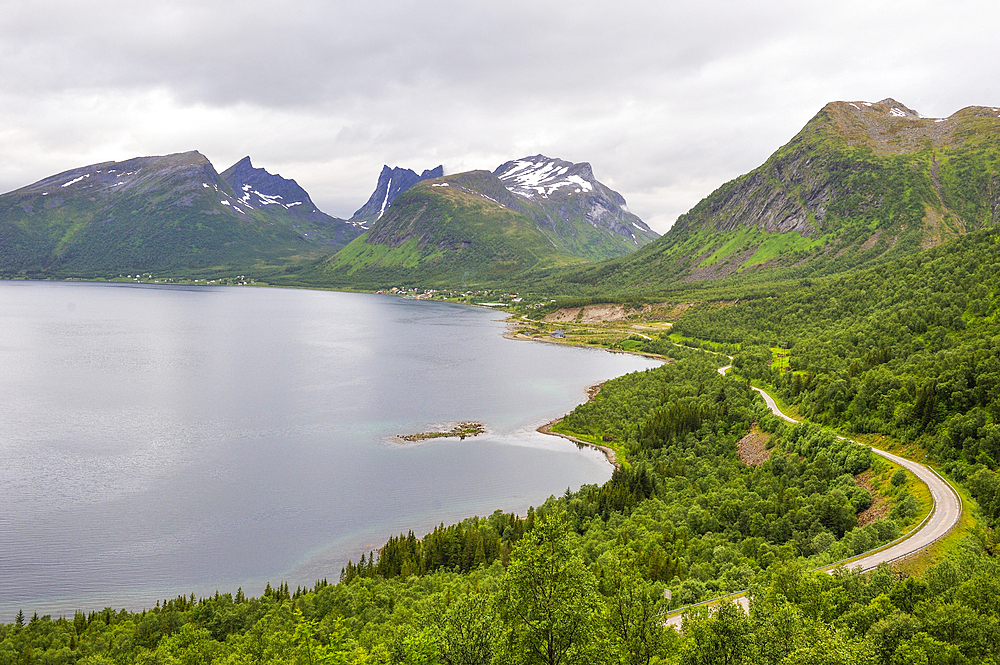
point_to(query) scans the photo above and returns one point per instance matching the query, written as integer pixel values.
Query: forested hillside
(950, 615)
(910, 349)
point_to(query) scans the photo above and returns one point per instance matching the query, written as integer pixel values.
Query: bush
(898, 478)
(905, 508)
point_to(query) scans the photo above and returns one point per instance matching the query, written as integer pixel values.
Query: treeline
(461, 547)
(910, 349)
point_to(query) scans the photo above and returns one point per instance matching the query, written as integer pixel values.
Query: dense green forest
(910, 350)
(548, 606)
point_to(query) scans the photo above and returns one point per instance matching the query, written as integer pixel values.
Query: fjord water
(166, 440)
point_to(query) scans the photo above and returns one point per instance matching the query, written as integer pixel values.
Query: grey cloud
(666, 100)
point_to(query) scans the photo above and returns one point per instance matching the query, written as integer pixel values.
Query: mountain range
(176, 213)
(172, 213)
(861, 183)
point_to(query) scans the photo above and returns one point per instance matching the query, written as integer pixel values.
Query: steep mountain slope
(454, 231)
(391, 183)
(281, 197)
(170, 212)
(862, 182)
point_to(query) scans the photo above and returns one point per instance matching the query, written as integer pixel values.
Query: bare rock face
(861, 177)
(391, 183)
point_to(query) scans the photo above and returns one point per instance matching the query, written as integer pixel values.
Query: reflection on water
(159, 441)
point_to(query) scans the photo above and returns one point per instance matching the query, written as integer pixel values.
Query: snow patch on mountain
(529, 179)
(252, 196)
(75, 180)
(385, 201)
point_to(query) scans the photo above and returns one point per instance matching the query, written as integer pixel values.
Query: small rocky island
(461, 430)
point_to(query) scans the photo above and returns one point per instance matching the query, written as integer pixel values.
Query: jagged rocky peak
(256, 188)
(541, 176)
(391, 183)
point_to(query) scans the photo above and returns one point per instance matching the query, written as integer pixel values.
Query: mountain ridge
(528, 214)
(445, 232)
(173, 212)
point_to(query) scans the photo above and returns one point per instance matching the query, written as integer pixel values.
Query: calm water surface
(158, 441)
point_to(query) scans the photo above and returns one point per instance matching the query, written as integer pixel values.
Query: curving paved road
(944, 514)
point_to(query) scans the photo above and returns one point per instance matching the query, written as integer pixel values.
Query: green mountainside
(480, 227)
(862, 182)
(454, 231)
(172, 213)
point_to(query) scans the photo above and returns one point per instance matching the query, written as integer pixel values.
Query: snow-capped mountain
(539, 176)
(256, 188)
(551, 205)
(569, 192)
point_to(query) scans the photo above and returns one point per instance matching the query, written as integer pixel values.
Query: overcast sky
(667, 100)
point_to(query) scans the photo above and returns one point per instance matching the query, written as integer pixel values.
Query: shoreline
(609, 453)
(591, 390)
(519, 337)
